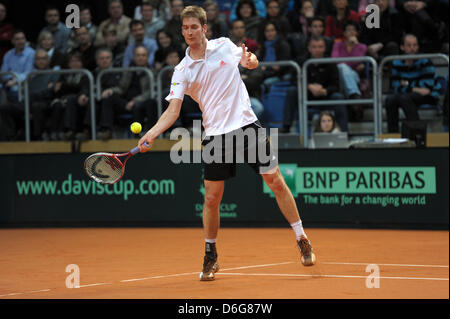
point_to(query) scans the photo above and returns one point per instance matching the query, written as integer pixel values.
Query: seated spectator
(165, 43)
(326, 123)
(219, 26)
(273, 15)
(299, 42)
(42, 88)
(117, 20)
(420, 20)
(173, 26)
(138, 34)
(46, 42)
(6, 31)
(20, 60)
(246, 12)
(117, 49)
(414, 84)
(350, 71)
(325, 8)
(323, 84)
(383, 41)
(334, 24)
(252, 80)
(59, 30)
(238, 37)
(86, 21)
(273, 48)
(132, 96)
(72, 96)
(209, 33)
(161, 10)
(151, 23)
(85, 48)
(299, 19)
(260, 7)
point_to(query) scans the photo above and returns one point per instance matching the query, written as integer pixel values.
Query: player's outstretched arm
(166, 120)
(248, 60)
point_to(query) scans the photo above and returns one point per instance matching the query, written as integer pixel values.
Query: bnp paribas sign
(357, 180)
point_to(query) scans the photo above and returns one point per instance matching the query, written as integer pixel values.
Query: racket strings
(103, 169)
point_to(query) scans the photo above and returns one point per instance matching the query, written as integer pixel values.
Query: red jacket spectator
(334, 27)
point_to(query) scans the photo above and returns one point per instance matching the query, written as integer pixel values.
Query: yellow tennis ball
(136, 127)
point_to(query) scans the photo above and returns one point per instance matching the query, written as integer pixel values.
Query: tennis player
(209, 74)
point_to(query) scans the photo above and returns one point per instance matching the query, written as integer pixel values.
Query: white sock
(211, 241)
(298, 229)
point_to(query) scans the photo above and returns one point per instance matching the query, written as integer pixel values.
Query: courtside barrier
(27, 96)
(306, 103)
(379, 114)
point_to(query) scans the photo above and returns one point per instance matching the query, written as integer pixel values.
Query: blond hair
(194, 12)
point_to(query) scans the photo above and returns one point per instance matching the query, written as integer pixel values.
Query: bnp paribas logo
(358, 180)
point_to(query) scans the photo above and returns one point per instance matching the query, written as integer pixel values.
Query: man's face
(19, 41)
(410, 45)
(340, 4)
(382, 4)
(47, 43)
(41, 60)
(138, 32)
(317, 28)
(115, 10)
(273, 9)
(147, 12)
(83, 37)
(193, 32)
(75, 63)
(140, 57)
(52, 17)
(104, 60)
(110, 40)
(238, 29)
(176, 7)
(85, 17)
(316, 48)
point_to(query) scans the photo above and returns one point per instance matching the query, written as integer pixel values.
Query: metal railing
(379, 114)
(159, 86)
(27, 96)
(19, 83)
(306, 103)
(120, 70)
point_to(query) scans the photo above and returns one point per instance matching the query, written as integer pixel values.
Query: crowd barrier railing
(305, 102)
(390, 58)
(19, 83)
(27, 96)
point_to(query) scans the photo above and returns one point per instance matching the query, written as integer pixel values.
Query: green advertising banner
(342, 188)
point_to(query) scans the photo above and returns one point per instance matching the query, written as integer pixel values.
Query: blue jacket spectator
(260, 8)
(138, 33)
(19, 60)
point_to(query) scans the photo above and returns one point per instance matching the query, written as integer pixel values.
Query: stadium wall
(391, 188)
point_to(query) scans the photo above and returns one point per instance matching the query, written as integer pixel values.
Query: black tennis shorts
(248, 144)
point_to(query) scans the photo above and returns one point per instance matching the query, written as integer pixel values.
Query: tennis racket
(107, 168)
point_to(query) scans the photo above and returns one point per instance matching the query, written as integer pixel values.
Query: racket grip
(136, 150)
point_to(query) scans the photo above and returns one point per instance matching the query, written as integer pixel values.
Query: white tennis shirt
(215, 83)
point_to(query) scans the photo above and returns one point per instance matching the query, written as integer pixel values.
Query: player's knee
(275, 182)
(212, 199)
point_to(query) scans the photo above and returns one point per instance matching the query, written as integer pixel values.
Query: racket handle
(136, 150)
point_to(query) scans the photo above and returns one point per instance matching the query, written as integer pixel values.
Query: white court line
(197, 272)
(35, 291)
(12, 294)
(327, 276)
(90, 285)
(394, 265)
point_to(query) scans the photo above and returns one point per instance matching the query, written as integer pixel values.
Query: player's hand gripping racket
(107, 168)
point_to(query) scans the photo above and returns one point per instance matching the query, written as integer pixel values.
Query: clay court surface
(261, 263)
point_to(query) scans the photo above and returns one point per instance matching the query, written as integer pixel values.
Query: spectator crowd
(274, 30)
